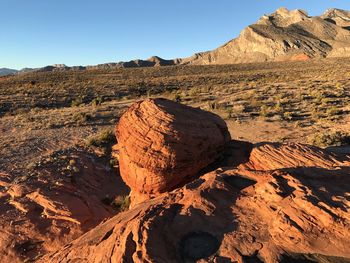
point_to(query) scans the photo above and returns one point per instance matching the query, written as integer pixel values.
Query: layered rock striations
(163, 144)
(285, 203)
(45, 209)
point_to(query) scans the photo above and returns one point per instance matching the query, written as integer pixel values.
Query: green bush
(81, 117)
(330, 139)
(96, 101)
(332, 111)
(122, 203)
(76, 102)
(104, 138)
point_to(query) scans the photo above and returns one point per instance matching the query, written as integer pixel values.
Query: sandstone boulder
(163, 144)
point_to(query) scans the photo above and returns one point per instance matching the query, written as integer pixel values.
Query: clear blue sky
(36, 33)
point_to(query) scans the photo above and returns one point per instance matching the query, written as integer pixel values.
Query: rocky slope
(338, 17)
(284, 35)
(267, 202)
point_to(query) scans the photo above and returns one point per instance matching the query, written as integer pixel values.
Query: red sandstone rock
(273, 156)
(163, 144)
(39, 214)
(267, 203)
(297, 201)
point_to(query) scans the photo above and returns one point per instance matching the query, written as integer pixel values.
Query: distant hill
(281, 36)
(7, 71)
(151, 62)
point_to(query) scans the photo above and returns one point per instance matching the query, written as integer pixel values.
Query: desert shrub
(96, 101)
(333, 111)
(113, 162)
(238, 108)
(194, 92)
(229, 112)
(255, 102)
(177, 98)
(326, 101)
(339, 86)
(289, 116)
(337, 138)
(264, 111)
(102, 139)
(212, 105)
(81, 117)
(19, 111)
(316, 113)
(278, 107)
(149, 93)
(122, 203)
(76, 102)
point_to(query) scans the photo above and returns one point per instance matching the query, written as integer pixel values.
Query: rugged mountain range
(281, 36)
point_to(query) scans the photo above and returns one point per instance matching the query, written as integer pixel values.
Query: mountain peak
(285, 12)
(337, 16)
(59, 65)
(283, 17)
(336, 12)
(155, 59)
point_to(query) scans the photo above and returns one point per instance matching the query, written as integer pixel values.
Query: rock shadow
(234, 154)
(327, 185)
(188, 233)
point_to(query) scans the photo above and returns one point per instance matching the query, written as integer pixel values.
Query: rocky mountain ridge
(281, 36)
(284, 36)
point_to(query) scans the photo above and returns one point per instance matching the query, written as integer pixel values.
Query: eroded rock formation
(163, 144)
(283, 203)
(268, 202)
(49, 207)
